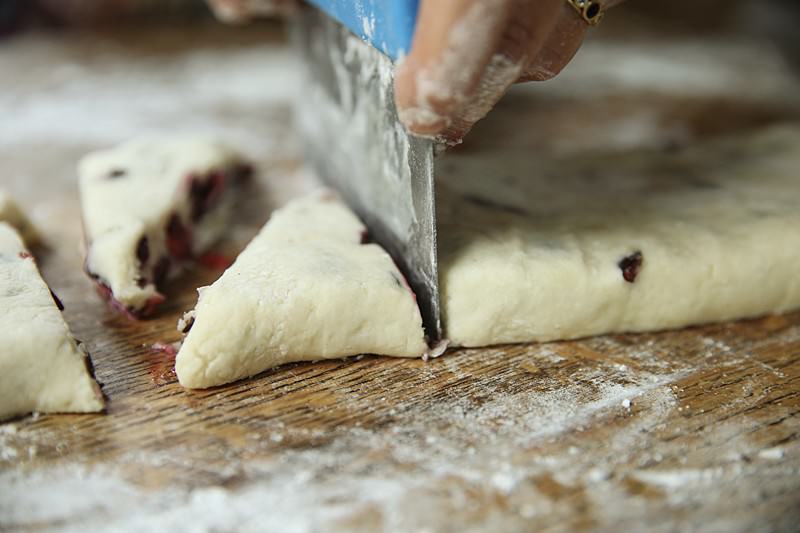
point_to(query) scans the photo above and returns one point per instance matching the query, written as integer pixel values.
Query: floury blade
(347, 117)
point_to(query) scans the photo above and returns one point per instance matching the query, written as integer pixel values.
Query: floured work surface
(679, 429)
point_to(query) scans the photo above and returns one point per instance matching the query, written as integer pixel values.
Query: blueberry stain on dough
(179, 238)
(143, 251)
(201, 191)
(630, 266)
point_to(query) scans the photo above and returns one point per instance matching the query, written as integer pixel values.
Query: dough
(150, 205)
(10, 213)
(539, 250)
(305, 288)
(42, 368)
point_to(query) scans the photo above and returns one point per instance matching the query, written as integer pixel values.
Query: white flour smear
(106, 100)
(451, 443)
(454, 451)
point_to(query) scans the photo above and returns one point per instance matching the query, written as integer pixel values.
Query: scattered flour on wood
(453, 444)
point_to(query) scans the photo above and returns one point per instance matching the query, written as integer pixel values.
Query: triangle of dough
(149, 206)
(305, 288)
(42, 367)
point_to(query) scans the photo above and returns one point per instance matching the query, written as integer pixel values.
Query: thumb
(453, 43)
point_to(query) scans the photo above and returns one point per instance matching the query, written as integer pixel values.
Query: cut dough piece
(305, 288)
(150, 205)
(536, 250)
(42, 368)
(10, 213)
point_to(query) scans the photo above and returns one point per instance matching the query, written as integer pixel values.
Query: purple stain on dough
(143, 251)
(630, 266)
(179, 238)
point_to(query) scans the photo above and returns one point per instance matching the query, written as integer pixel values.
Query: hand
(467, 53)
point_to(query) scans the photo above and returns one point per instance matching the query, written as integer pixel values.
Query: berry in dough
(42, 367)
(149, 206)
(307, 287)
(538, 249)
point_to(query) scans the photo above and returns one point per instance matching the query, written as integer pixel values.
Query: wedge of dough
(42, 367)
(305, 288)
(538, 250)
(13, 215)
(149, 205)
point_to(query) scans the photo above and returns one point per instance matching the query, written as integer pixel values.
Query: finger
(528, 28)
(453, 43)
(559, 47)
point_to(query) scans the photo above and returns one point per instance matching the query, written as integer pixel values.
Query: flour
(450, 456)
(108, 100)
(678, 479)
(772, 454)
(453, 443)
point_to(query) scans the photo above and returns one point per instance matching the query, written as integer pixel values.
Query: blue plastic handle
(388, 25)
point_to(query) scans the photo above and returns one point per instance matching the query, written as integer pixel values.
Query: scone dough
(305, 288)
(13, 215)
(540, 250)
(150, 205)
(42, 367)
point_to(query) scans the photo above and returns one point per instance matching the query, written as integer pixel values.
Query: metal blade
(347, 117)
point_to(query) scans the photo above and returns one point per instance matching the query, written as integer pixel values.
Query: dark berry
(204, 193)
(143, 251)
(179, 238)
(199, 191)
(117, 173)
(630, 266)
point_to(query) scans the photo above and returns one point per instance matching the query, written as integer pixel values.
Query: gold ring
(589, 10)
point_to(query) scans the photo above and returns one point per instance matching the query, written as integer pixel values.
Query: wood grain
(692, 429)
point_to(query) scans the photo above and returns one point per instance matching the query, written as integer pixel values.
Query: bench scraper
(348, 122)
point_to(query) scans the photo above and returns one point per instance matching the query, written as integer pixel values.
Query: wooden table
(693, 429)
